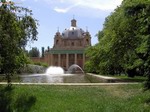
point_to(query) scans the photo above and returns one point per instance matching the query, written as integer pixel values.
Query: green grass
(130, 79)
(44, 98)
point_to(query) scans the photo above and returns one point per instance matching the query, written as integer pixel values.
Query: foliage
(90, 66)
(17, 27)
(31, 68)
(41, 64)
(124, 42)
(34, 52)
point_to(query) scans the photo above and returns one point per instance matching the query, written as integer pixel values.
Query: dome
(73, 33)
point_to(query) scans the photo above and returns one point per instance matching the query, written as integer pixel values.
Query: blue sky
(58, 13)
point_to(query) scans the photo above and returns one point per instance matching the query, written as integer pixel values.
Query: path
(70, 84)
(101, 79)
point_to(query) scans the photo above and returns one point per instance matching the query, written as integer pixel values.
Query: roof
(73, 33)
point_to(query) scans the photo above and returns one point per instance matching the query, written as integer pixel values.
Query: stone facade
(68, 48)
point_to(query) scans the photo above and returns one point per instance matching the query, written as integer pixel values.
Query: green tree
(43, 51)
(92, 54)
(34, 52)
(48, 48)
(124, 42)
(17, 27)
(139, 12)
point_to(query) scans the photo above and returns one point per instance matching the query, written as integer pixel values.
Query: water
(53, 70)
(75, 69)
(53, 74)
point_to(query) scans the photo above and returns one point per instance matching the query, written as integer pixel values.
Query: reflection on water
(61, 78)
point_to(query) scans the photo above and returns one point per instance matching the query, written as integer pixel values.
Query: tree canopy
(17, 27)
(34, 52)
(124, 42)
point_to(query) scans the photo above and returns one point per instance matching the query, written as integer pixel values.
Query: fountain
(75, 69)
(55, 70)
(55, 74)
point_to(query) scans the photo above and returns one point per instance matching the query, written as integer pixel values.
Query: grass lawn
(45, 98)
(134, 79)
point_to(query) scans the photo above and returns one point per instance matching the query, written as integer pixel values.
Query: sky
(57, 14)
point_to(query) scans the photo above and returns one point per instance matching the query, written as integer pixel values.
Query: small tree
(43, 51)
(34, 52)
(48, 49)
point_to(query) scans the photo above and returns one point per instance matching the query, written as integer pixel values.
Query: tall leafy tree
(17, 27)
(124, 42)
(139, 12)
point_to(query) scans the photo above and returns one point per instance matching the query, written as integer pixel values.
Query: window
(72, 43)
(57, 41)
(80, 43)
(87, 41)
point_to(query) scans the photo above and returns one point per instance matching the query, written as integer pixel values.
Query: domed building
(69, 47)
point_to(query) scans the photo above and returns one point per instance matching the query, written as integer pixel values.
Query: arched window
(87, 41)
(57, 41)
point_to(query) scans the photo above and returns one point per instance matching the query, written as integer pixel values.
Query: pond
(57, 78)
(57, 75)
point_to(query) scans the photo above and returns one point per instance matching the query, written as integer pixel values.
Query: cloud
(65, 10)
(93, 4)
(83, 6)
(100, 4)
(61, 10)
